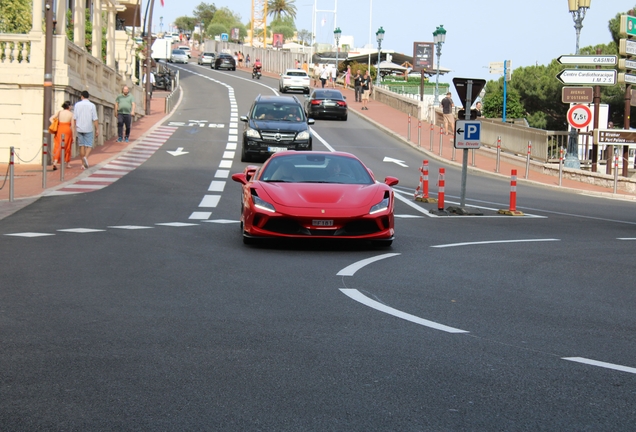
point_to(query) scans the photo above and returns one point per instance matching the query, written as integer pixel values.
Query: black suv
(273, 124)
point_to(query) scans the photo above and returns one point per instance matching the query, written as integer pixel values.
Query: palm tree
(278, 8)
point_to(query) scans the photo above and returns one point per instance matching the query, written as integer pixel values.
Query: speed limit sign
(579, 116)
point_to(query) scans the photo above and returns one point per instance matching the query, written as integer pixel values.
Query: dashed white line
(601, 364)
(493, 242)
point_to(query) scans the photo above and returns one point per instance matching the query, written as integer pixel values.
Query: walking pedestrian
(334, 76)
(348, 77)
(247, 61)
(65, 118)
(240, 59)
(366, 90)
(125, 110)
(447, 111)
(85, 126)
(357, 86)
(324, 76)
(316, 73)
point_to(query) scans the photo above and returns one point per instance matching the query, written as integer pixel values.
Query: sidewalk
(28, 177)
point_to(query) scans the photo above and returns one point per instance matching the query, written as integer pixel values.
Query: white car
(206, 58)
(186, 49)
(294, 79)
(178, 56)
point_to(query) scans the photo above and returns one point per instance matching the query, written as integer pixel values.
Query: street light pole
(337, 32)
(578, 8)
(439, 37)
(379, 36)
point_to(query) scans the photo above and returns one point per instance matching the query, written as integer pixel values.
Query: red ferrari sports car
(318, 195)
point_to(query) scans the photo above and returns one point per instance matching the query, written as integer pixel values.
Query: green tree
(229, 20)
(493, 101)
(15, 16)
(204, 13)
(278, 8)
(215, 29)
(304, 37)
(185, 23)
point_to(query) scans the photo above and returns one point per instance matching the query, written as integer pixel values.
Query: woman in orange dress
(64, 116)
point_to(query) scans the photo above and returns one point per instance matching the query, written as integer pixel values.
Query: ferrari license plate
(276, 149)
(322, 222)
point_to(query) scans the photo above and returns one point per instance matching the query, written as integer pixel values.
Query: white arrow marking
(178, 152)
(396, 161)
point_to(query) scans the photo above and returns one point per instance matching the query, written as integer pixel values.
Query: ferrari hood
(314, 195)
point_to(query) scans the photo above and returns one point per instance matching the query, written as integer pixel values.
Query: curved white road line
(322, 140)
(600, 364)
(361, 298)
(493, 242)
(353, 268)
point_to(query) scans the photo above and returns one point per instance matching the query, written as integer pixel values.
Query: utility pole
(47, 86)
(148, 86)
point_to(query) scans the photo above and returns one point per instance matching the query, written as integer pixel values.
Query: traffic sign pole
(469, 102)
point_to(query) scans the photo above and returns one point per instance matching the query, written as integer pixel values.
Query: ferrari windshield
(315, 168)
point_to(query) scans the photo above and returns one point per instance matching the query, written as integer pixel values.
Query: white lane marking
(407, 216)
(494, 242)
(81, 230)
(225, 164)
(231, 146)
(361, 298)
(395, 161)
(200, 215)
(235, 77)
(222, 221)
(350, 270)
(601, 364)
(411, 204)
(216, 186)
(130, 227)
(626, 238)
(321, 139)
(228, 155)
(222, 173)
(210, 201)
(177, 224)
(29, 234)
(232, 138)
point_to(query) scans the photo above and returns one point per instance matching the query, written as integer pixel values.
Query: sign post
(469, 132)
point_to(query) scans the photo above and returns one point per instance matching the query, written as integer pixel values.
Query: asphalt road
(155, 316)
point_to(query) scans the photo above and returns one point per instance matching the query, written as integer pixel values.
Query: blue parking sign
(467, 134)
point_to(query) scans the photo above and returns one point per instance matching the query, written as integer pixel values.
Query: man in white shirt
(85, 126)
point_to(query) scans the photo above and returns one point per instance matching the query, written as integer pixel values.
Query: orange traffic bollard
(512, 211)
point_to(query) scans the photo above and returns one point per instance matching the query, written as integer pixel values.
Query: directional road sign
(626, 78)
(589, 60)
(626, 64)
(467, 134)
(579, 116)
(587, 76)
(628, 25)
(615, 136)
(626, 47)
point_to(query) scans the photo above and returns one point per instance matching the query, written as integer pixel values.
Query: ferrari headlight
(252, 133)
(381, 206)
(303, 135)
(262, 204)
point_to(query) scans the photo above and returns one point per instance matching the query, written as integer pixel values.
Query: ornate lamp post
(578, 8)
(439, 37)
(337, 32)
(379, 36)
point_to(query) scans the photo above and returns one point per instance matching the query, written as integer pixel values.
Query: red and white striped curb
(119, 167)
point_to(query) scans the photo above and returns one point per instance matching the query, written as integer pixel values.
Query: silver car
(178, 56)
(206, 58)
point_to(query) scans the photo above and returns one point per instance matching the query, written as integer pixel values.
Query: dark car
(224, 61)
(274, 124)
(326, 103)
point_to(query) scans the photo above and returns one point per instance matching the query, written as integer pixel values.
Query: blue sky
(478, 31)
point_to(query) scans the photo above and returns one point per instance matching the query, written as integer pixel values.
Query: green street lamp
(379, 36)
(439, 37)
(578, 8)
(337, 33)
